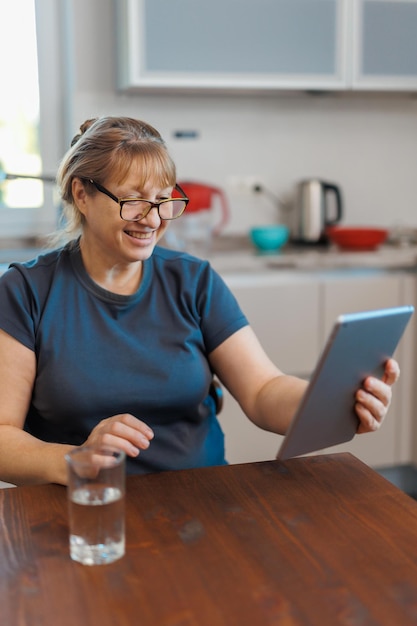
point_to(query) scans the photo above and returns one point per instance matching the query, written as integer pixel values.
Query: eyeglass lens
(134, 210)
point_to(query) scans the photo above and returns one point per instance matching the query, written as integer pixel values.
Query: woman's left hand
(374, 398)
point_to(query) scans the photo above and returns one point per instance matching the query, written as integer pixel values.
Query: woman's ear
(79, 194)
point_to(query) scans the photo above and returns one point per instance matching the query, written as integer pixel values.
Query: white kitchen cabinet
(283, 310)
(292, 315)
(232, 44)
(385, 44)
(357, 290)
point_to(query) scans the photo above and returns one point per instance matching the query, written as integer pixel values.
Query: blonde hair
(104, 149)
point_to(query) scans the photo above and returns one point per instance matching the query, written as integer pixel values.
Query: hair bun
(83, 128)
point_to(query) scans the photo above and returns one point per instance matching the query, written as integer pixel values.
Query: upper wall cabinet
(266, 44)
(385, 44)
(231, 44)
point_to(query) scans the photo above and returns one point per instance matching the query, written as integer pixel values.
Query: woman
(114, 340)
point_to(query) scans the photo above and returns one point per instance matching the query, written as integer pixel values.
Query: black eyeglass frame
(152, 205)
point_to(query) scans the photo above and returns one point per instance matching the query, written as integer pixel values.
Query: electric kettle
(205, 217)
(313, 210)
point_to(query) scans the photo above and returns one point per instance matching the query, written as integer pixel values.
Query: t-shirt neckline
(98, 291)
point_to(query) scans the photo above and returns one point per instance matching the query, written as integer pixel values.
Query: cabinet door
(284, 313)
(285, 316)
(357, 290)
(385, 44)
(231, 44)
(363, 291)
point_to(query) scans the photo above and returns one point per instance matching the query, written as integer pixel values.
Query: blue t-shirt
(100, 354)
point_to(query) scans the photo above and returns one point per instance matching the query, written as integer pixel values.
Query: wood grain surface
(320, 540)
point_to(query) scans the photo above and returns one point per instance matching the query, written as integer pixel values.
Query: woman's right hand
(123, 432)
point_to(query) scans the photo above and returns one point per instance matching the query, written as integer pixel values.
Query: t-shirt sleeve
(221, 315)
(17, 308)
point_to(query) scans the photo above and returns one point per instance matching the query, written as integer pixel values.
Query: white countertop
(314, 259)
(238, 257)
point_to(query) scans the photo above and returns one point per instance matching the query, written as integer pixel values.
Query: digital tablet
(357, 347)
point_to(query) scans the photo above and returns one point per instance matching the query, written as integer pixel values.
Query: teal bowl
(269, 238)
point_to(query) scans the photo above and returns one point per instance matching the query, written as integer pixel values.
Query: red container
(357, 238)
(202, 198)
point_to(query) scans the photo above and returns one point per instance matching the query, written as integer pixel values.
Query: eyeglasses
(136, 209)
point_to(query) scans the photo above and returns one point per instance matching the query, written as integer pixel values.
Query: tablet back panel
(357, 347)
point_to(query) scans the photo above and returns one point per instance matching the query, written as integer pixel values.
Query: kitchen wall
(365, 142)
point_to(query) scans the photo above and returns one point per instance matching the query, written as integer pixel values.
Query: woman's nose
(152, 219)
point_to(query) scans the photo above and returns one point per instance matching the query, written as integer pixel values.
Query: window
(28, 37)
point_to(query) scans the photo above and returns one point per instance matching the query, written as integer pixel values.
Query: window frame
(52, 37)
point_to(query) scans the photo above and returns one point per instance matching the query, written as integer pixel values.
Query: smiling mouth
(138, 235)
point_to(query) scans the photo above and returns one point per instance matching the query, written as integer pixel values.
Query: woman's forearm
(277, 402)
(25, 460)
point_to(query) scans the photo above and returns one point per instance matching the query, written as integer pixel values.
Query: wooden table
(319, 540)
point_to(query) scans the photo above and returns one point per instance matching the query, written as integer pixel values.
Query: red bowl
(356, 238)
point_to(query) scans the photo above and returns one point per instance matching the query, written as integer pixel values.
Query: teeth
(139, 235)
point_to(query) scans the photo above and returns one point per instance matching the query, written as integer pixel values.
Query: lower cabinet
(284, 311)
(292, 315)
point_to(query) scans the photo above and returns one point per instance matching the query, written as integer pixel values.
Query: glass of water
(96, 504)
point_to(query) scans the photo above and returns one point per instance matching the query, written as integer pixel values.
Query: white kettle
(313, 212)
